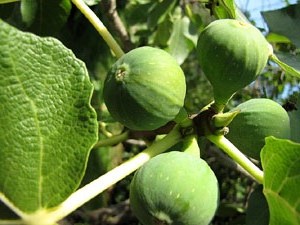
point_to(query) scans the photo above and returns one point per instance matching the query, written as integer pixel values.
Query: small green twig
(99, 26)
(97, 186)
(102, 129)
(224, 144)
(116, 139)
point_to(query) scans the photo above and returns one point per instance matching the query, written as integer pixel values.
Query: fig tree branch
(110, 8)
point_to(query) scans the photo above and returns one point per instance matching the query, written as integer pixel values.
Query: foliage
(42, 127)
(282, 156)
(60, 148)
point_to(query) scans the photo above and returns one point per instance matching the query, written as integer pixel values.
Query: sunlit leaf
(281, 165)
(180, 42)
(47, 126)
(277, 38)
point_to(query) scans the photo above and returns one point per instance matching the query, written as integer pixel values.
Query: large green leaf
(45, 17)
(285, 22)
(281, 165)
(47, 126)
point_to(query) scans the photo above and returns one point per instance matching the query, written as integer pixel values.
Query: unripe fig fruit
(231, 53)
(145, 89)
(258, 118)
(174, 188)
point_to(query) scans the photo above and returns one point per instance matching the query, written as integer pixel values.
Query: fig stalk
(224, 144)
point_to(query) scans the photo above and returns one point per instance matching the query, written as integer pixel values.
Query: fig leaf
(281, 165)
(47, 125)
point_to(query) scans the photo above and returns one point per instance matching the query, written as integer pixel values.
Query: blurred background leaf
(285, 22)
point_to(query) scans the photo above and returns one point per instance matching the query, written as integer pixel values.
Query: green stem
(224, 144)
(190, 146)
(112, 140)
(288, 69)
(99, 26)
(97, 186)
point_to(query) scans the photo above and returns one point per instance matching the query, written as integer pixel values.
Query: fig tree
(257, 119)
(174, 188)
(231, 54)
(145, 89)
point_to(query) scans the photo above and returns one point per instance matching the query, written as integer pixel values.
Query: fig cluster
(145, 89)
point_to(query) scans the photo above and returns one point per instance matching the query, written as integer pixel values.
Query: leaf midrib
(41, 142)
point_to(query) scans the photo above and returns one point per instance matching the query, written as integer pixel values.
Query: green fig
(257, 119)
(231, 54)
(145, 89)
(174, 188)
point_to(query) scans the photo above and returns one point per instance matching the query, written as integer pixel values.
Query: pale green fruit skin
(175, 188)
(258, 118)
(149, 91)
(231, 54)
